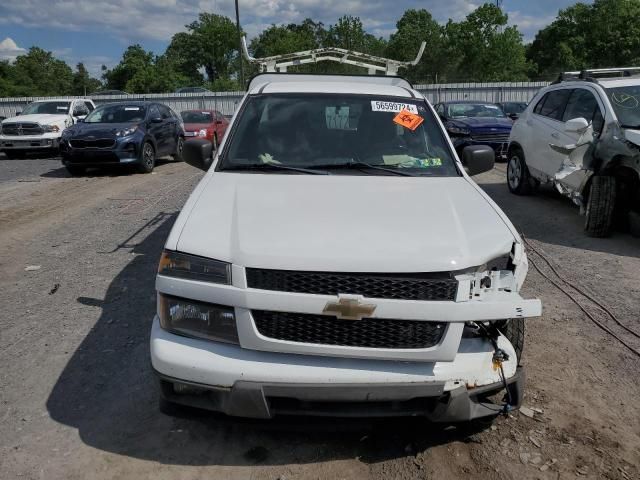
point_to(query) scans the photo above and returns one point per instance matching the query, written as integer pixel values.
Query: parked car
(125, 133)
(40, 125)
(471, 122)
(193, 90)
(582, 134)
(208, 124)
(107, 92)
(337, 259)
(512, 109)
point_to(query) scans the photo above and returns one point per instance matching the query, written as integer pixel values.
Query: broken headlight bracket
(491, 332)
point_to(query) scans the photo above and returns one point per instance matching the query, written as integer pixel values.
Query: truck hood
(41, 118)
(342, 223)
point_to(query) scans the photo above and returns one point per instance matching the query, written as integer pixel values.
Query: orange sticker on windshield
(408, 120)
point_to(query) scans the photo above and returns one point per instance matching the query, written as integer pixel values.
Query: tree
(39, 73)
(349, 33)
(589, 36)
(182, 54)
(487, 50)
(83, 83)
(133, 73)
(414, 27)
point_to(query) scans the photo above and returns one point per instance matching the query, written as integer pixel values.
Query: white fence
(226, 102)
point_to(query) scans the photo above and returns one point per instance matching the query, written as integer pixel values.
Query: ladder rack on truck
(280, 63)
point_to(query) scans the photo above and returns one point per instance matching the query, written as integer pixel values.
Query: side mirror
(514, 116)
(576, 125)
(79, 120)
(478, 159)
(218, 122)
(156, 120)
(198, 153)
(18, 112)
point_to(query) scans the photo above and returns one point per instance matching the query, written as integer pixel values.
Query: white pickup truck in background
(40, 125)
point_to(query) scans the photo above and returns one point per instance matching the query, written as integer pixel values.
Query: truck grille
(27, 128)
(366, 333)
(98, 143)
(420, 286)
(499, 137)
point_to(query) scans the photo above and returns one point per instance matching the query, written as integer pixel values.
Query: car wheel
(600, 206)
(147, 158)
(513, 330)
(179, 149)
(518, 178)
(75, 170)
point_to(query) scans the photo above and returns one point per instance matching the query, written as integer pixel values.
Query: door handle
(555, 135)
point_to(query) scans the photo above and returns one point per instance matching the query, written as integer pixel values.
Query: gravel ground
(78, 399)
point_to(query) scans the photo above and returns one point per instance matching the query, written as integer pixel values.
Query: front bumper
(122, 154)
(29, 142)
(249, 383)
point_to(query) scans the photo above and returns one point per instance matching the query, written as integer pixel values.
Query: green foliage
(603, 34)
(482, 47)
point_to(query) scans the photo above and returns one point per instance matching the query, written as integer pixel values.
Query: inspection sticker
(408, 120)
(378, 106)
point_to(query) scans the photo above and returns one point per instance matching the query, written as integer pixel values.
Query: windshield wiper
(358, 165)
(265, 167)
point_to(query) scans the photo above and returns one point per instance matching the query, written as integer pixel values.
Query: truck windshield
(117, 114)
(56, 108)
(376, 135)
(626, 104)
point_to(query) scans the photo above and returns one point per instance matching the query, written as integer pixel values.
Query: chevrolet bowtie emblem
(349, 307)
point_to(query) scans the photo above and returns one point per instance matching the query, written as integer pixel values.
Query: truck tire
(519, 180)
(600, 206)
(513, 330)
(147, 158)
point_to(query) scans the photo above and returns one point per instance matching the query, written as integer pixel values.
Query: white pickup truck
(40, 126)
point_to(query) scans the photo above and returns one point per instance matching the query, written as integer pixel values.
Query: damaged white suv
(582, 134)
(337, 259)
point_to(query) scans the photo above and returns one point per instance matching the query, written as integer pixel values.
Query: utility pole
(239, 45)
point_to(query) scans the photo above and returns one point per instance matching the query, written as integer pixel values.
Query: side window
(165, 112)
(583, 104)
(89, 106)
(154, 112)
(80, 109)
(540, 104)
(555, 104)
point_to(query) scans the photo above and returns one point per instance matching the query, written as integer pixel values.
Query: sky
(97, 33)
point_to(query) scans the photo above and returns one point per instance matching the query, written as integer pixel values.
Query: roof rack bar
(373, 64)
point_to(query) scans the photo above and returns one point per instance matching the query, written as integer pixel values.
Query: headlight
(126, 131)
(458, 130)
(202, 133)
(182, 265)
(51, 128)
(197, 319)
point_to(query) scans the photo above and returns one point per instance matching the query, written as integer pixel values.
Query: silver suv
(582, 134)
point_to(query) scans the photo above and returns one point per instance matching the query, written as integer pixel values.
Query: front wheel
(148, 158)
(179, 149)
(600, 206)
(518, 178)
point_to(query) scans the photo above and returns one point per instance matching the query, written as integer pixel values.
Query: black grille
(21, 129)
(368, 332)
(502, 137)
(428, 286)
(98, 143)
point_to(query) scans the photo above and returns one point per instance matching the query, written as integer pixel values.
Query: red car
(208, 124)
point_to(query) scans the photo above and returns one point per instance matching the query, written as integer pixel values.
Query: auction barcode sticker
(378, 106)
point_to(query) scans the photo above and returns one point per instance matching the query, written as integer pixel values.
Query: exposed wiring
(584, 310)
(499, 356)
